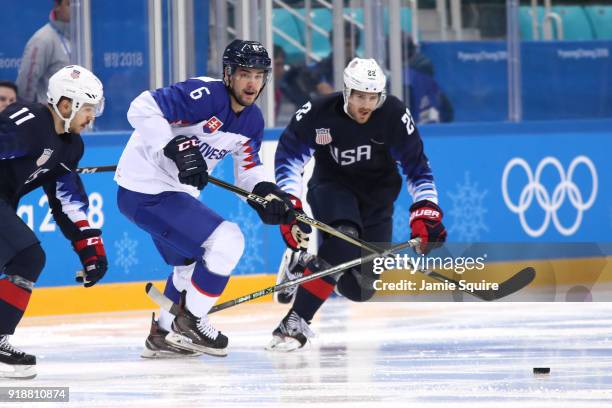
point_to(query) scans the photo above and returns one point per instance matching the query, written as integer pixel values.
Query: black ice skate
(291, 334)
(15, 363)
(196, 334)
(292, 267)
(156, 345)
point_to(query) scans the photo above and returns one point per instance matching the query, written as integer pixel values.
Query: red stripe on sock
(14, 295)
(318, 287)
(202, 291)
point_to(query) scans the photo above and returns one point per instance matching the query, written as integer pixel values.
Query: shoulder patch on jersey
(212, 125)
(44, 157)
(323, 136)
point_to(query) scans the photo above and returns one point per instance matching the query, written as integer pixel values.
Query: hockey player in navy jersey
(40, 145)
(358, 137)
(181, 133)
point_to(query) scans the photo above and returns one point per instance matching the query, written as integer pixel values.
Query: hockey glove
(278, 208)
(184, 151)
(295, 234)
(426, 223)
(92, 255)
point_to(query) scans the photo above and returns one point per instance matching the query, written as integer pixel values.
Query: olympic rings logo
(550, 203)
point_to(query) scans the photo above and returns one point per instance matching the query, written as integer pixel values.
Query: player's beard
(240, 100)
(360, 116)
(365, 116)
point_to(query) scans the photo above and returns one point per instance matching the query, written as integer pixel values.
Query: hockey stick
(263, 202)
(506, 288)
(172, 307)
(96, 169)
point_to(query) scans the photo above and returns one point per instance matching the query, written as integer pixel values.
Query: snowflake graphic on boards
(251, 228)
(125, 253)
(466, 216)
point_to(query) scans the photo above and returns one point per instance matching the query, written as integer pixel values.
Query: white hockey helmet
(78, 84)
(364, 75)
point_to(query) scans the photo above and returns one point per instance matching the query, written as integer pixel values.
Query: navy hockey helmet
(246, 54)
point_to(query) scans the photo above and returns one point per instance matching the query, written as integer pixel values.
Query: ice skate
(292, 267)
(291, 334)
(156, 345)
(15, 363)
(196, 334)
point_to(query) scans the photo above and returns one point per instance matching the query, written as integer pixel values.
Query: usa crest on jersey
(323, 136)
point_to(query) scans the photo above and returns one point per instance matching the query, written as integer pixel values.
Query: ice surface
(376, 354)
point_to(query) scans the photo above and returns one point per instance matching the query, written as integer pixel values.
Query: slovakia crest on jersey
(212, 125)
(323, 136)
(44, 157)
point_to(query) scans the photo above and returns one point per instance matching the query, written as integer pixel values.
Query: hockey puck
(541, 370)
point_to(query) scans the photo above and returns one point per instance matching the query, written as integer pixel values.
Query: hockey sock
(311, 295)
(13, 303)
(16, 287)
(205, 289)
(170, 291)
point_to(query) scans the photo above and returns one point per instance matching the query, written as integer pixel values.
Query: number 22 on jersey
(407, 119)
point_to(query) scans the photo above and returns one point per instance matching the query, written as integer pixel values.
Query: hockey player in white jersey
(181, 132)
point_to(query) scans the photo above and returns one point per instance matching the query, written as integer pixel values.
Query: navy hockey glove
(184, 151)
(295, 234)
(426, 223)
(92, 255)
(278, 209)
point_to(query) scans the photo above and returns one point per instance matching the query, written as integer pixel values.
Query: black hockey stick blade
(512, 285)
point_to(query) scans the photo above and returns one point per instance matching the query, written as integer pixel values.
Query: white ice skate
(292, 333)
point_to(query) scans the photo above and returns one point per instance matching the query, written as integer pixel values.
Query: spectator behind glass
(8, 94)
(427, 101)
(305, 82)
(324, 70)
(279, 73)
(47, 51)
